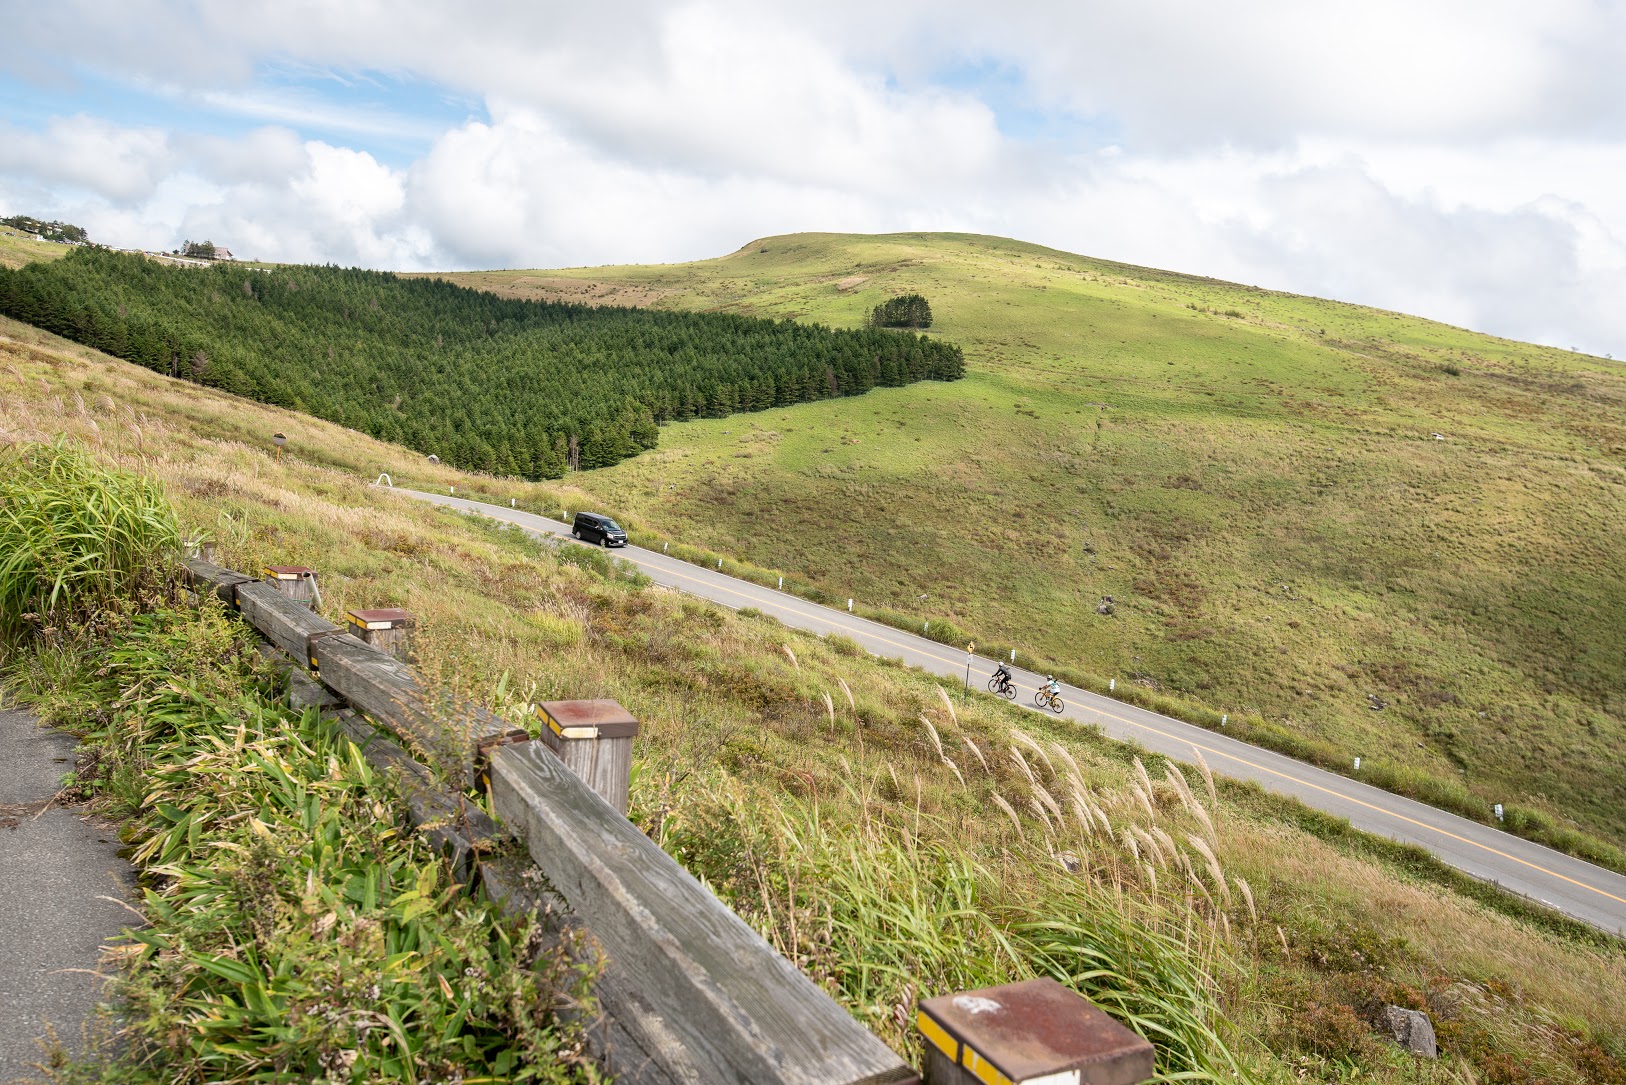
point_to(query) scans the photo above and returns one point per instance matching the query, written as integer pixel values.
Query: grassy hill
(803, 780)
(17, 249)
(1296, 505)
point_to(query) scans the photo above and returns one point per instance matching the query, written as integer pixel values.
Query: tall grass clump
(76, 536)
(891, 907)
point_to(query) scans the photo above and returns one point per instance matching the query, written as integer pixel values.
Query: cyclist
(1052, 688)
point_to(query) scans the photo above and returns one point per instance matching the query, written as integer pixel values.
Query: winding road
(1576, 888)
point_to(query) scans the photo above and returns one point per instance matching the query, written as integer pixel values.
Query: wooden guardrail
(693, 995)
(456, 738)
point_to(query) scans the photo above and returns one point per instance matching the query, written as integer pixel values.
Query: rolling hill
(1369, 533)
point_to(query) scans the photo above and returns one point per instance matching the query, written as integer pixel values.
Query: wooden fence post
(295, 581)
(594, 740)
(1033, 1031)
(388, 629)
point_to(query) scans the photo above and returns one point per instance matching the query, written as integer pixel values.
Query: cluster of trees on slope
(903, 311)
(494, 384)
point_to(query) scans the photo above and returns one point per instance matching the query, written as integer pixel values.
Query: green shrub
(886, 910)
(844, 646)
(76, 537)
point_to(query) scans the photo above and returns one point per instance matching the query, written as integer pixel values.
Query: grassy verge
(741, 714)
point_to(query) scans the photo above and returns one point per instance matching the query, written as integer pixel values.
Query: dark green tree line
(903, 311)
(494, 384)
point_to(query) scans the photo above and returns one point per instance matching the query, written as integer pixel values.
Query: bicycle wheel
(993, 685)
(1038, 699)
(1009, 692)
(1056, 706)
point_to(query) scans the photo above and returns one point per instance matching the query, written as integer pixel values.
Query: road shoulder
(56, 867)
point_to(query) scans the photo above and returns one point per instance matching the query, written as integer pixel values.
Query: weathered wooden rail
(692, 994)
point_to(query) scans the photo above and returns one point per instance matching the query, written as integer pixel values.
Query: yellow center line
(712, 584)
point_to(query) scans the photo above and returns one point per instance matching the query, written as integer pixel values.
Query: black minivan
(597, 528)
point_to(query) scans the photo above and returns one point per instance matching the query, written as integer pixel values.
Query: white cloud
(119, 164)
(721, 95)
(518, 192)
(338, 205)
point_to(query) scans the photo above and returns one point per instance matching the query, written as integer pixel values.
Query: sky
(1464, 161)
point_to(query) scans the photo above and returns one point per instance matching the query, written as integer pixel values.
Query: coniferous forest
(493, 384)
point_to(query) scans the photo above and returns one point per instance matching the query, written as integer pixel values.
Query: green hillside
(17, 248)
(1252, 477)
(525, 388)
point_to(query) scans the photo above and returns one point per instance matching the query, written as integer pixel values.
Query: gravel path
(55, 867)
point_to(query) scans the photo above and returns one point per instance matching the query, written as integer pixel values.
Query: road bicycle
(1001, 685)
(1043, 698)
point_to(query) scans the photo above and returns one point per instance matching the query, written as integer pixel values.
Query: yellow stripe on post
(983, 1070)
(940, 1039)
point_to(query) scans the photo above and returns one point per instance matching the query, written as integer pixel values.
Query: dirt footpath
(54, 870)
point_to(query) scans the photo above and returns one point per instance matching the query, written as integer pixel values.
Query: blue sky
(394, 117)
(1456, 159)
(1020, 112)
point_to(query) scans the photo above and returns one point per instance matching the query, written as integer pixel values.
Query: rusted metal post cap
(1029, 1033)
(586, 719)
(389, 629)
(594, 740)
(382, 618)
(297, 582)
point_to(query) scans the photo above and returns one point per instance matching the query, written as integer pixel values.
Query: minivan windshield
(609, 525)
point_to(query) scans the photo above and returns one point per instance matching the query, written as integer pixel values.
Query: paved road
(1574, 887)
(55, 871)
